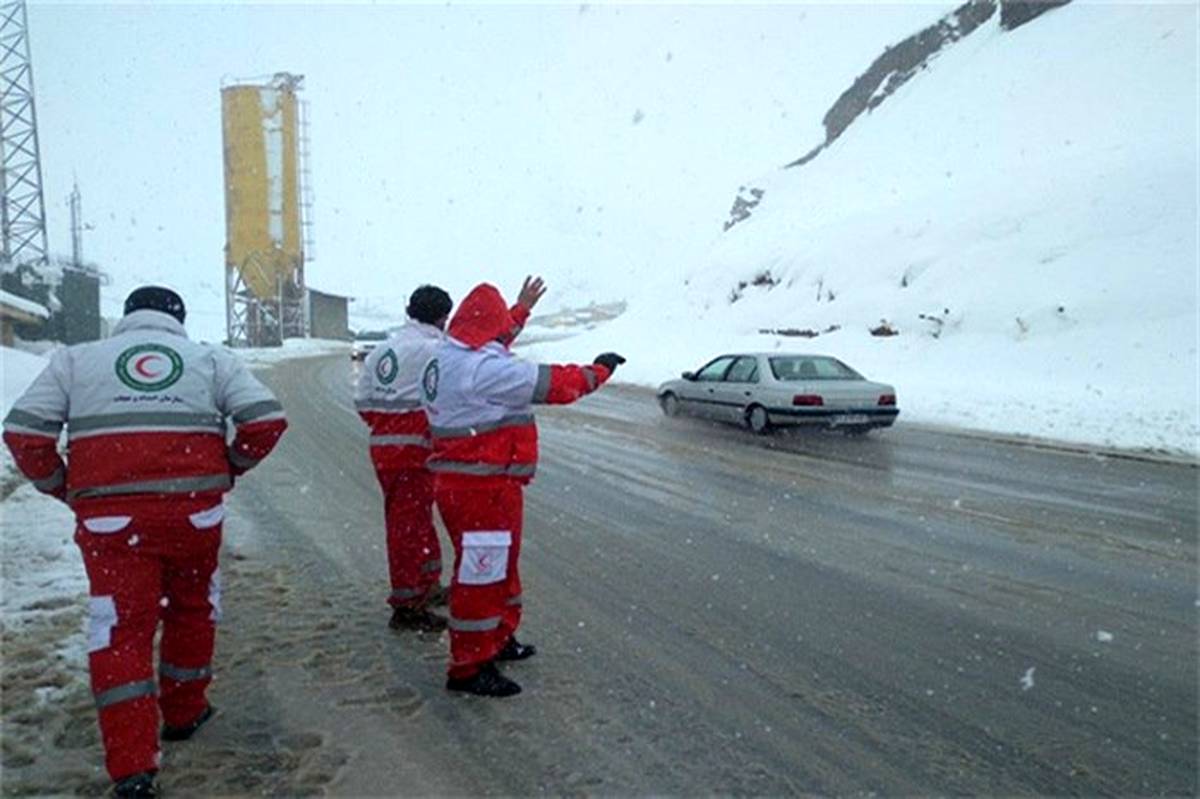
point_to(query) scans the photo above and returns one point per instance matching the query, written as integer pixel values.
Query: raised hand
(531, 291)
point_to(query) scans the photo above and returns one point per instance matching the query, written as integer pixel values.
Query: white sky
(450, 143)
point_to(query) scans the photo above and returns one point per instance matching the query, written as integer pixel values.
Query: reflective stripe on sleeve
(48, 484)
(256, 410)
(175, 485)
(482, 469)
(474, 625)
(541, 389)
(431, 567)
(515, 420)
(400, 441)
(180, 674)
(514, 600)
(406, 593)
(20, 421)
(123, 693)
(512, 333)
(242, 461)
(589, 374)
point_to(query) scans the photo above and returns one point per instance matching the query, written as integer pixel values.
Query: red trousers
(485, 594)
(414, 554)
(160, 566)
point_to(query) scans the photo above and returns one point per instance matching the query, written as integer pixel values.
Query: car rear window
(811, 368)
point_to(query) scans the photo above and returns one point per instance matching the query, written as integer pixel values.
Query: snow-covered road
(723, 613)
(911, 613)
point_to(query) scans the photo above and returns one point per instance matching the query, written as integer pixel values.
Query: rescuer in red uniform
(388, 398)
(146, 413)
(480, 399)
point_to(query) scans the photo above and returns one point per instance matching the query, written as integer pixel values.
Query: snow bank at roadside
(41, 572)
(292, 349)
(19, 368)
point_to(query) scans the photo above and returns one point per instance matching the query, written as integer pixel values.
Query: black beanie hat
(429, 304)
(155, 298)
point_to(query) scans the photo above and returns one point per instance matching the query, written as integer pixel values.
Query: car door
(701, 396)
(736, 391)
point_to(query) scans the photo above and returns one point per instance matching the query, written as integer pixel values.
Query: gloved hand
(609, 359)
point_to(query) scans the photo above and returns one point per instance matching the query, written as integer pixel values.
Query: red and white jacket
(480, 397)
(388, 396)
(146, 413)
(388, 392)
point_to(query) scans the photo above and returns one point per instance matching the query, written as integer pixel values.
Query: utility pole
(22, 207)
(75, 201)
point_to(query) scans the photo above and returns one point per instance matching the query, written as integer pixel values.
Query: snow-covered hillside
(1023, 212)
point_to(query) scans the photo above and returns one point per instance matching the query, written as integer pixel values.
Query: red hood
(481, 317)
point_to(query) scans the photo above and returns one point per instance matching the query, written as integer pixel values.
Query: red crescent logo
(139, 366)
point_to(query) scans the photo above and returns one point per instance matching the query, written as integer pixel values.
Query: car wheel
(670, 404)
(757, 420)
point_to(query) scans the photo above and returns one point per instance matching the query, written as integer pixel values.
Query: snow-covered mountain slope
(1023, 212)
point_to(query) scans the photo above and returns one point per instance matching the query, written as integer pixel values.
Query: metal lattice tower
(22, 206)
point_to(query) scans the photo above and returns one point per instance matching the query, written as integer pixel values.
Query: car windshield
(809, 367)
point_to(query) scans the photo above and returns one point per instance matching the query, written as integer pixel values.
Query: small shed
(328, 315)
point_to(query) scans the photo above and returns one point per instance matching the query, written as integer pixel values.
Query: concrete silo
(265, 211)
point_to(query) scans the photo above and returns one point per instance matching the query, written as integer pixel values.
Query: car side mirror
(689, 375)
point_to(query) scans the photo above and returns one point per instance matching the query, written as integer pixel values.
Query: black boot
(136, 786)
(418, 619)
(514, 650)
(185, 731)
(486, 682)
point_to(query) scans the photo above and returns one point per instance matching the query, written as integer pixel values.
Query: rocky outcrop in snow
(894, 68)
(900, 62)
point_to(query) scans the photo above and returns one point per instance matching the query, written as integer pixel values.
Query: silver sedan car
(766, 389)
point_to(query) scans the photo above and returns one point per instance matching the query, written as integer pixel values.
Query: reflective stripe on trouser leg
(190, 577)
(124, 693)
(180, 674)
(474, 625)
(414, 555)
(481, 618)
(124, 581)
